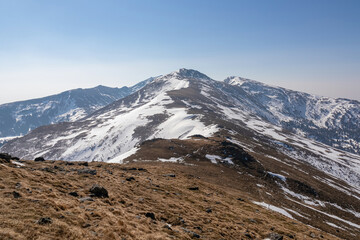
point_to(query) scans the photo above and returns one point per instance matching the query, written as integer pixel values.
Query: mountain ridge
(18, 118)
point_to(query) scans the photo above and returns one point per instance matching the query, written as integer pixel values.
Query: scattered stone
(99, 191)
(69, 163)
(248, 235)
(18, 185)
(195, 235)
(84, 199)
(39, 159)
(44, 220)
(209, 210)
(86, 164)
(192, 234)
(198, 228)
(193, 188)
(87, 171)
(134, 168)
(167, 227)
(275, 236)
(129, 179)
(86, 225)
(74, 194)
(16, 194)
(6, 157)
(48, 170)
(313, 235)
(241, 200)
(142, 169)
(170, 175)
(150, 215)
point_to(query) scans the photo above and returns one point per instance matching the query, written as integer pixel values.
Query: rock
(87, 171)
(6, 157)
(74, 194)
(84, 199)
(39, 159)
(48, 170)
(240, 199)
(275, 236)
(193, 188)
(150, 215)
(166, 226)
(313, 235)
(86, 164)
(16, 194)
(69, 163)
(15, 158)
(99, 191)
(86, 225)
(44, 220)
(142, 169)
(129, 179)
(248, 235)
(209, 210)
(59, 168)
(170, 175)
(18, 185)
(195, 235)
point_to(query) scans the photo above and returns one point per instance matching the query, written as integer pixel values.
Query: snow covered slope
(335, 122)
(19, 118)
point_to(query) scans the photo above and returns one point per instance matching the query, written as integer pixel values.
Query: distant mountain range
(18, 118)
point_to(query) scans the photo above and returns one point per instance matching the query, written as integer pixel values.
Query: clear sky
(50, 46)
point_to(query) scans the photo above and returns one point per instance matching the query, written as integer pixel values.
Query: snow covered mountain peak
(189, 74)
(236, 81)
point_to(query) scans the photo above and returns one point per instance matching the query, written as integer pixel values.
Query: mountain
(18, 118)
(185, 117)
(335, 122)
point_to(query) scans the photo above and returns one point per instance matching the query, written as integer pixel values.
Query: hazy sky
(50, 46)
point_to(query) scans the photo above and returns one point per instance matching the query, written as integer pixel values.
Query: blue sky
(50, 46)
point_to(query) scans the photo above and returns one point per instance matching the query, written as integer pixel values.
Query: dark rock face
(99, 191)
(44, 221)
(39, 159)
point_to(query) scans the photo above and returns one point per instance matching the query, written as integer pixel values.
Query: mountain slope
(19, 118)
(335, 122)
(154, 203)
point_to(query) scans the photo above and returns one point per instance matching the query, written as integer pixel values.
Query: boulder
(39, 159)
(99, 191)
(44, 220)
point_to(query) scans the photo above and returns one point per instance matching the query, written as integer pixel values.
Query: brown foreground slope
(147, 200)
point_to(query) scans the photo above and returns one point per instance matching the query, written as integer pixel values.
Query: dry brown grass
(45, 186)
